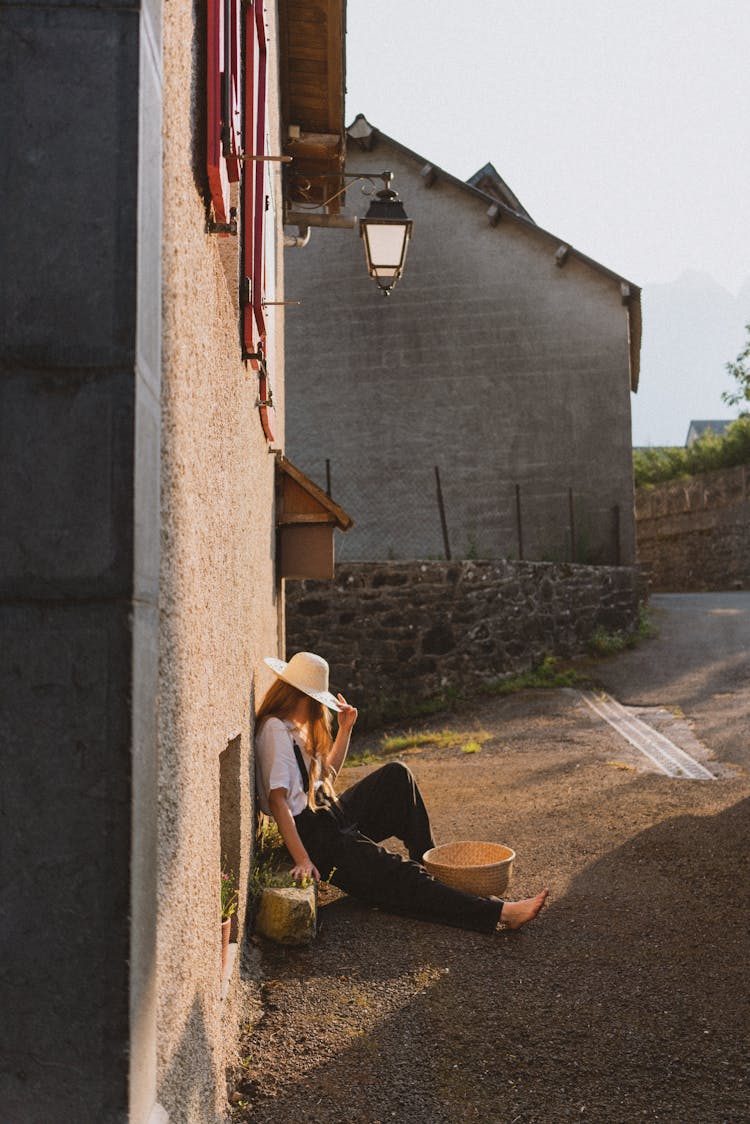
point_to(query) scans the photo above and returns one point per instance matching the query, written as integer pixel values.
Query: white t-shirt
(276, 766)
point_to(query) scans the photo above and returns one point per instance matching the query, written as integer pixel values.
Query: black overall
(341, 837)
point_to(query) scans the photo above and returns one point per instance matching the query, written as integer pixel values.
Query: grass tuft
(413, 742)
(547, 674)
(270, 856)
(605, 643)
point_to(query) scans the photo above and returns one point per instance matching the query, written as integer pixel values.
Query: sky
(621, 126)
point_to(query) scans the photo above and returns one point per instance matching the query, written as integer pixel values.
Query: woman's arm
(303, 866)
(347, 716)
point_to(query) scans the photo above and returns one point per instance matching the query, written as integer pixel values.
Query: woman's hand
(305, 871)
(347, 716)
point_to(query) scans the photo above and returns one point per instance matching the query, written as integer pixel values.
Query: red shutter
(253, 207)
(232, 79)
(260, 173)
(223, 123)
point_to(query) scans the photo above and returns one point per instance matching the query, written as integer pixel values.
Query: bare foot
(516, 914)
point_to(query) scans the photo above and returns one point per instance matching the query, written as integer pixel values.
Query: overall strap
(302, 769)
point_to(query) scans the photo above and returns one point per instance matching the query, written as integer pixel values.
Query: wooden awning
(312, 73)
(299, 500)
(305, 521)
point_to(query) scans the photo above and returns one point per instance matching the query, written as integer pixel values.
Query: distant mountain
(692, 327)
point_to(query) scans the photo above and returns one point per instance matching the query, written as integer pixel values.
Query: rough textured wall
(219, 611)
(694, 534)
(487, 360)
(411, 630)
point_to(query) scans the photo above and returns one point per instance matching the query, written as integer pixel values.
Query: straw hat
(308, 673)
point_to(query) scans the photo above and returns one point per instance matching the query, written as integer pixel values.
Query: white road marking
(667, 756)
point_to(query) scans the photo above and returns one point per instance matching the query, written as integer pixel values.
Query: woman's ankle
(514, 915)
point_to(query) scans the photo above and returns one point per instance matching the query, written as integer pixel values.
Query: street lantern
(385, 231)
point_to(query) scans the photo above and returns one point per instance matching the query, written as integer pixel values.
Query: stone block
(65, 731)
(288, 915)
(66, 449)
(69, 122)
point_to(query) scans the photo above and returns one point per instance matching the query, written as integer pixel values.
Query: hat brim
(278, 667)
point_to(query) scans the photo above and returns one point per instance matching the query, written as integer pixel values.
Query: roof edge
(633, 301)
(341, 518)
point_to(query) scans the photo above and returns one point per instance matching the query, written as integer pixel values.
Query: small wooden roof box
(305, 519)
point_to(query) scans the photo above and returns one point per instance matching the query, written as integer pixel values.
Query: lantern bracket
(370, 177)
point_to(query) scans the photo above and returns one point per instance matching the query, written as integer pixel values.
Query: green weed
(608, 643)
(366, 757)
(645, 629)
(266, 874)
(270, 856)
(602, 642)
(547, 674)
(436, 739)
(413, 741)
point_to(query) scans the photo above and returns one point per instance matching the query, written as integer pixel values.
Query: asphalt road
(625, 1001)
(699, 661)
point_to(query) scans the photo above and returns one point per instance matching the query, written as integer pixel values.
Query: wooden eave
(305, 502)
(312, 74)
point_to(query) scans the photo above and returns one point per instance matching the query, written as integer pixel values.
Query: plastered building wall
(488, 361)
(219, 610)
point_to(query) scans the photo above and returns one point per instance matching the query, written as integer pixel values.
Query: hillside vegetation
(654, 466)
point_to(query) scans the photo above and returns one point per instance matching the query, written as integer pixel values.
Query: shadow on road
(626, 1001)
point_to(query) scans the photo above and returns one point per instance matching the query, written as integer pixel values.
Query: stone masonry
(694, 534)
(405, 631)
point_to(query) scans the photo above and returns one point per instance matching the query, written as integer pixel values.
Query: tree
(740, 372)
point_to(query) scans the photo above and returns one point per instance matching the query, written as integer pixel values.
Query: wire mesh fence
(429, 515)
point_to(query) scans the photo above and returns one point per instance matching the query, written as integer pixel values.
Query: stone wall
(694, 534)
(412, 630)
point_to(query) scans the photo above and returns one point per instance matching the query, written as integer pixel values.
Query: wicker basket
(478, 868)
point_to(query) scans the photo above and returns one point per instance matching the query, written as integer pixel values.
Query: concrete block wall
(408, 631)
(137, 578)
(72, 391)
(694, 534)
(488, 360)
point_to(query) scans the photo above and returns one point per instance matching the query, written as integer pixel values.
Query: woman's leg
(387, 803)
(369, 872)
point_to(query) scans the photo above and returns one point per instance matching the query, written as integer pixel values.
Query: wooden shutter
(253, 208)
(223, 107)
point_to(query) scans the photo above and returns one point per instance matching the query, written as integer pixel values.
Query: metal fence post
(519, 524)
(441, 508)
(571, 517)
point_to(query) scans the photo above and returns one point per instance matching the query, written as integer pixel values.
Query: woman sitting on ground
(336, 837)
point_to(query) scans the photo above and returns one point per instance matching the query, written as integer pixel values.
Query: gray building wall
(80, 201)
(488, 360)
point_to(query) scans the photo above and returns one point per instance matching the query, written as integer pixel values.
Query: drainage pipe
(299, 240)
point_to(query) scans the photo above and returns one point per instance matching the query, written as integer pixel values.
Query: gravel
(626, 1000)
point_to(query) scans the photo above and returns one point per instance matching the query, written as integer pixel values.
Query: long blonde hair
(280, 701)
